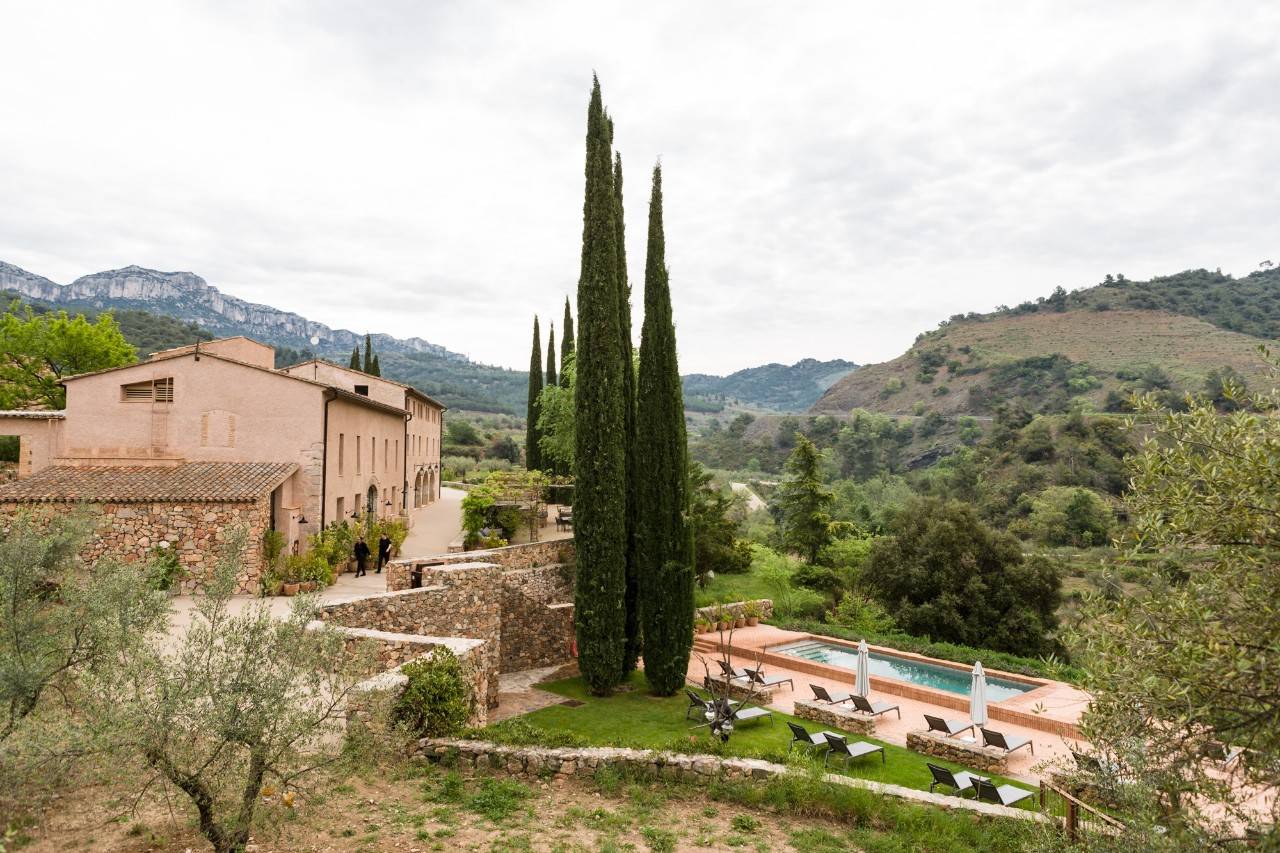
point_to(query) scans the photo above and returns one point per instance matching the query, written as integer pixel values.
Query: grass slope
(966, 358)
(781, 387)
(636, 719)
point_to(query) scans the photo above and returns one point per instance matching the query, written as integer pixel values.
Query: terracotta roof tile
(196, 482)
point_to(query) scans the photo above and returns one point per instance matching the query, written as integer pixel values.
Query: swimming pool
(903, 669)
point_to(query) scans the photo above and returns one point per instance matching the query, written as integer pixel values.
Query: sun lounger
(823, 695)
(734, 673)
(1006, 742)
(742, 715)
(841, 748)
(800, 735)
(1005, 795)
(950, 728)
(758, 676)
(959, 781)
(875, 709)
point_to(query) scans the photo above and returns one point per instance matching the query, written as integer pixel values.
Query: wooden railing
(1080, 821)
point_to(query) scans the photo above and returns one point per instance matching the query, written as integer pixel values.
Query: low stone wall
(400, 573)
(456, 601)
(195, 531)
(834, 715)
(538, 762)
(970, 754)
(736, 608)
(739, 690)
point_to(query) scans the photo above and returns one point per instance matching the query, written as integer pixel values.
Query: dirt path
(754, 501)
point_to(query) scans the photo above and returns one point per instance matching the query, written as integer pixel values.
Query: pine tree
(804, 502)
(566, 343)
(355, 358)
(600, 450)
(532, 450)
(551, 358)
(632, 651)
(376, 368)
(664, 560)
(368, 354)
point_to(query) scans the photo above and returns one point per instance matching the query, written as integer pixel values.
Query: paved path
(435, 525)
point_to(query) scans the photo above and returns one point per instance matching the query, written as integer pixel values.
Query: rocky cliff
(187, 296)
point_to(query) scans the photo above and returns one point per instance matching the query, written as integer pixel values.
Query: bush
(861, 615)
(1063, 515)
(436, 701)
(164, 569)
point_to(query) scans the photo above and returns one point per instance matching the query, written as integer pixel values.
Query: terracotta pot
(308, 586)
(289, 589)
(752, 621)
(724, 626)
(740, 622)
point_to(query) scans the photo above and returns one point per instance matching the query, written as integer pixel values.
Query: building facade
(354, 443)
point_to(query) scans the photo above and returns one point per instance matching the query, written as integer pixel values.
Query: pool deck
(1047, 714)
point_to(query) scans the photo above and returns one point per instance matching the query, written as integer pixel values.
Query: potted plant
(751, 610)
(724, 619)
(739, 621)
(701, 625)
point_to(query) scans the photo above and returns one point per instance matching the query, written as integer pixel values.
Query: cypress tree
(599, 502)
(566, 343)
(632, 600)
(532, 451)
(376, 369)
(551, 358)
(355, 358)
(368, 354)
(664, 557)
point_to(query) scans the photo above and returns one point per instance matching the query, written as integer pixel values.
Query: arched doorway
(371, 501)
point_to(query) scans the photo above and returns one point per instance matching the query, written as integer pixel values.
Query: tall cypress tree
(600, 449)
(355, 358)
(632, 651)
(532, 450)
(566, 343)
(551, 358)
(664, 558)
(376, 368)
(368, 354)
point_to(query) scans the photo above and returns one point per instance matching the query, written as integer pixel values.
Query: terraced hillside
(1046, 359)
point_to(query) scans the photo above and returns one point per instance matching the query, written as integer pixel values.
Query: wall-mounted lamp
(302, 519)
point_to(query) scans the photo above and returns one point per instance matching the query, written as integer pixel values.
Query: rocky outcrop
(187, 296)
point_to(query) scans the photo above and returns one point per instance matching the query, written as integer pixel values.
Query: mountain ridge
(190, 298)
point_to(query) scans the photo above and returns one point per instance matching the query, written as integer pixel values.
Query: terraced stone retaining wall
(401, 573)
(538, 762)
(736, 608)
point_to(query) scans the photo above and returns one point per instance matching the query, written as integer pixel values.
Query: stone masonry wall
(736, 608)
(458, 601)
(834, 715)
(196, 531)
(537, 617)
(529, 555)
(961, 752)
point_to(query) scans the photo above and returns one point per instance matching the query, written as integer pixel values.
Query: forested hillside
(146, 331)
(786, 388)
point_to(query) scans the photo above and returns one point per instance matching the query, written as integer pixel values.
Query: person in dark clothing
(384, 551)
(361, 551)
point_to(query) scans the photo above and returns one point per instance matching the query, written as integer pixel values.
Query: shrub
(861, 614)
(436, 701)
(1062, 515)
(164, 569)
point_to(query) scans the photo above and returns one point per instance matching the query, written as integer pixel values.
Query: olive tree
(59, 620)
(241, 699)
(1185, 670)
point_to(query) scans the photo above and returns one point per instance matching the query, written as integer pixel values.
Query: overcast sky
(838, 176)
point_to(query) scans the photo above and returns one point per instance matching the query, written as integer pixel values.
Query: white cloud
(838, 176)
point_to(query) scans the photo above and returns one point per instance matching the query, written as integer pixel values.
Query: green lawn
(634, 718)
(723, 588)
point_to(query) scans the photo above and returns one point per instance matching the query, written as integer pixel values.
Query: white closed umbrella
(978, 695)
(862, 685)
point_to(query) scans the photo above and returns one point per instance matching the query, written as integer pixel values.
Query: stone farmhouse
(176, 450)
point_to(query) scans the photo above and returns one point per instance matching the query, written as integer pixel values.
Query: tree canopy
(38, 351)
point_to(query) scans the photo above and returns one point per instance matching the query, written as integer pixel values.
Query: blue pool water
(903, 669)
